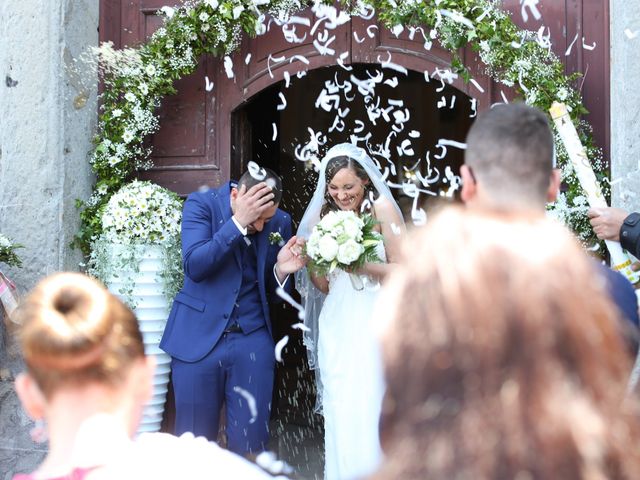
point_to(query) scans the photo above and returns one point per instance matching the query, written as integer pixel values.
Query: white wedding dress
(352, 378)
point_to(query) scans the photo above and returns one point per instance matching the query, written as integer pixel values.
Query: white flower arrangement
(7, 252)
(342, 239)
(138, 215)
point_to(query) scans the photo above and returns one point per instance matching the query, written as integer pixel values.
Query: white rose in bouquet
(328, 248)
(353, 227)
(349, 252)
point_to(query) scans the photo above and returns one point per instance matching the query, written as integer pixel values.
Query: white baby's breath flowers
(130, 97)
(151, 70)
(212, 3)
(562, 94)
(127, 137)
(116, 113)
(204, 16)
(144, 88)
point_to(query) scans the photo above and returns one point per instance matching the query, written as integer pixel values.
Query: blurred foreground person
(502, 358)
(88, 378)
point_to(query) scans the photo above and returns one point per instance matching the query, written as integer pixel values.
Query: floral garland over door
(137, 79)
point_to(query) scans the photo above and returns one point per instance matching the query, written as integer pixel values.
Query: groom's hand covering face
(253, 207)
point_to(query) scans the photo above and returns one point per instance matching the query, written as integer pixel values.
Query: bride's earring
(39, 432)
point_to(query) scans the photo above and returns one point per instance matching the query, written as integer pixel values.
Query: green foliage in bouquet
(7, 252)
(343, 240)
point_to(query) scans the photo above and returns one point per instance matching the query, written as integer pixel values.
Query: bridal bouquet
(342, 239)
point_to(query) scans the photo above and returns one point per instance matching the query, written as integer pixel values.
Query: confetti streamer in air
(474, 107)
(228, 67)
(397, 30)
(568, 52)
(256, 172)
(279, 346)
(343, 56)
(251, 402)
(247, 59)
(370, 30)
(544, 40)
(300, 326)
(477, 85)
(301, 58)
(588, 47)
(283, 101)
(287, 79)
(357, 38)
(208, 85)
(275, 132)
(456, 17)
(392, 66)
(631, 35)
(275, 60)
(452, 143)
(532, 6)
(289, 299)
(395, 229)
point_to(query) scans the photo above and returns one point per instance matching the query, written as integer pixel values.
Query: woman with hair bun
(88, 378)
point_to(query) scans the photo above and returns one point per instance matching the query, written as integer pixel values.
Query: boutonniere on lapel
(276, 239)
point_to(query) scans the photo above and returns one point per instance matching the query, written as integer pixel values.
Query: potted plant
(137, 256)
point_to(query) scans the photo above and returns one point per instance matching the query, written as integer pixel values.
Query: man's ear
(234, 193)
(469, 187)
(31, 396)
(554, 185)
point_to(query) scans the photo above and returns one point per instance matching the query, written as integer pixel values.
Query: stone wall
(625, 103)
(46, 123)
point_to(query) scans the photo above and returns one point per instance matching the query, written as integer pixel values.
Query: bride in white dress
(341, 341)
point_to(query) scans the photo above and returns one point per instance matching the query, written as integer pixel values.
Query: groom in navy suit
(219, 331)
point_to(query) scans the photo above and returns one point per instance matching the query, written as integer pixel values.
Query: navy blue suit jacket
(213, 273)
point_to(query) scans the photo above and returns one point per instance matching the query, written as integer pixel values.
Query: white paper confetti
(289, 299)
(279, 346)
(532, 6)
(251, 402)
(247, 59)
(283, 102)
(477, 85)
(568, 52)
(275, 132)
(588, 47)
(208, 85)
(228, 66)
(631, 35)
(255, 171)
(300, 326)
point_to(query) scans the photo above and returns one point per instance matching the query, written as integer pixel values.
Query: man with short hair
(509, 160)
(219, 331)
(509, 165)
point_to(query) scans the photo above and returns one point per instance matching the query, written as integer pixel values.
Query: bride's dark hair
(334, 166)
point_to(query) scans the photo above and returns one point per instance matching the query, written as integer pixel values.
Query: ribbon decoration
(620, 260)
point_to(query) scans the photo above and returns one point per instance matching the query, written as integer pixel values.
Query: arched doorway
(401, 121)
